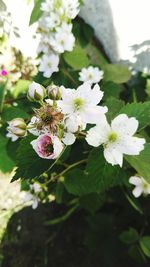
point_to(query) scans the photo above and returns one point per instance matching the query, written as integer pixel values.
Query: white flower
(36, 92)
(71, 8)
(68, 139)
(83, 103)
(141, 186)
(63, 39)
(49, 64)
(36, 188)
(32, 126)
(52, 21)
(16, 128)
(47, 5)
(28, 197)
(91, 74)
(73, 123)
(47, 146)
(117, 139)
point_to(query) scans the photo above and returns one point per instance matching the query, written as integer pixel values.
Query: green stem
(70, 77)
(3, 88)
(67, 169)
(63, 217)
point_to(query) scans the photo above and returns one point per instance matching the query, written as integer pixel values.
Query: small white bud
(54, 92)
(17, 127)
(36, 92)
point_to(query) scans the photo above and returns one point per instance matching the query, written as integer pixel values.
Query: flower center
(112, 137)
(78, 103)
(49, 149)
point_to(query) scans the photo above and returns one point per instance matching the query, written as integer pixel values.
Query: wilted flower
(91, 75)
(47, 146)
(141, 186)
(36, 92)
(48, 118)
(117, 139)
(17, 128)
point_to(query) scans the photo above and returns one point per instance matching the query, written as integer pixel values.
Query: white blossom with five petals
(83, 103)
(91, 74)
(116, 138)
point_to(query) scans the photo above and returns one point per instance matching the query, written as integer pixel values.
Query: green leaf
(141, 163)
(116, 73)
(6, 164)
(20, 87)
(111, 90)
(114, 105)
(30, 165)
(141, 111)
(96, 56)
(98, 177)
(145, 245)
(2, 6)
(36, 12)
(10, 113)
(77, 59)
(92, 202)
(129, 237)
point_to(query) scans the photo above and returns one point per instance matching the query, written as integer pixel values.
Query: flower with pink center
(3, 72)
(47, 146)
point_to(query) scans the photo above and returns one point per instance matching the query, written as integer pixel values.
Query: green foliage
(141, 163)
(99, 176)
(114, 105)
(2, 6)
(36, 12)
(145, 245)
(141, 111)
(96, 56)
(92, 202)
(116, 73)
(111, 89)
(10, 112)
(20, 87)
(77, 59)
(6, 163)
(130, 236)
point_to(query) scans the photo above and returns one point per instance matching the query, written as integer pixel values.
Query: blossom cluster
(55, 29)
(66, 114)
(63, 116)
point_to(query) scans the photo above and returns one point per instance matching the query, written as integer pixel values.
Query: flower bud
(54, 92)
(17, 127)
(36, 92)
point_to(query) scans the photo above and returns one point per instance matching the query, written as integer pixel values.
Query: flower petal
(135, 180)
(137, 191)
(113, 156)
(131, 145)
(98, 134)
(69, 139)
(93, 115)
(124, 125)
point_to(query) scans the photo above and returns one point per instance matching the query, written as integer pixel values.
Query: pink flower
(3, 72)
(47, 146)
